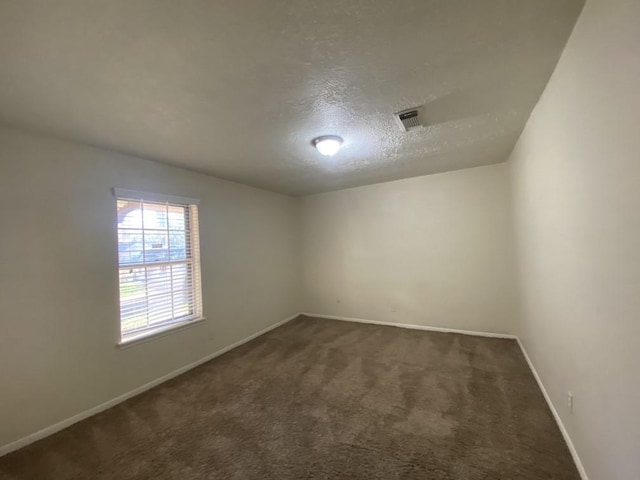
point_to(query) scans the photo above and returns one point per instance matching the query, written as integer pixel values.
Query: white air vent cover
(409, 119)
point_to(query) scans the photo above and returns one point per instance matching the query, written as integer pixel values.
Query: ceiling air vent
(409, 119)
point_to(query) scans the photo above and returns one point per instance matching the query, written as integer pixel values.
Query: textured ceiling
(239, 88)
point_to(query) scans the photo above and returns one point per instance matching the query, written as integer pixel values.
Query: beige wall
(59, 285)
(576, 184)
(432, 250)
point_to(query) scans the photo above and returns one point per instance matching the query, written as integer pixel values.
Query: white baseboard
(50, 430)
(412, 326)
(556, 416)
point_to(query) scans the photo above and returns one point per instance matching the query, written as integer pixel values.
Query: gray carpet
(322, 399)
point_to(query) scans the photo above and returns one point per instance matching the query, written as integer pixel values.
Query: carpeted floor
(323, 399)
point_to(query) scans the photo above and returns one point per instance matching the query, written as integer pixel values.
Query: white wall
(576, 185)
(59, 284)
(433, 250)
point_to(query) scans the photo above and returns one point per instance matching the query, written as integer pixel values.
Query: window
(159, 263)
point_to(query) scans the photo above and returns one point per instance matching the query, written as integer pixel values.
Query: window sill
(144, 337)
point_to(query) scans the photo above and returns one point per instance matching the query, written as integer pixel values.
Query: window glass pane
(160, 310)
(182, 304)
(129, 214)
(130, 246)
(177, 218)
(156, 246)
(155, 216)
(132, 283)
(133, 315)
(157, 280)
(177, 245)
(133, 299)
(181, 277)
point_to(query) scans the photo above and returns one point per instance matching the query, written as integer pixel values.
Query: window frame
(192, 260)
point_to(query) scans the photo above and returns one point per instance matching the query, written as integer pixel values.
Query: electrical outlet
(570, 401)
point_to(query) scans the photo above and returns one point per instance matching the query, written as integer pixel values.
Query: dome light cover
(327, 145)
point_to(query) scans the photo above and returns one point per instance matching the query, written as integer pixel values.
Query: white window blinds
(159, 262)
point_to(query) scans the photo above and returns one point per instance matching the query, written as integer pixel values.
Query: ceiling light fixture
(327, 145)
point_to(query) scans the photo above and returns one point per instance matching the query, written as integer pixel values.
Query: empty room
(341, 239)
